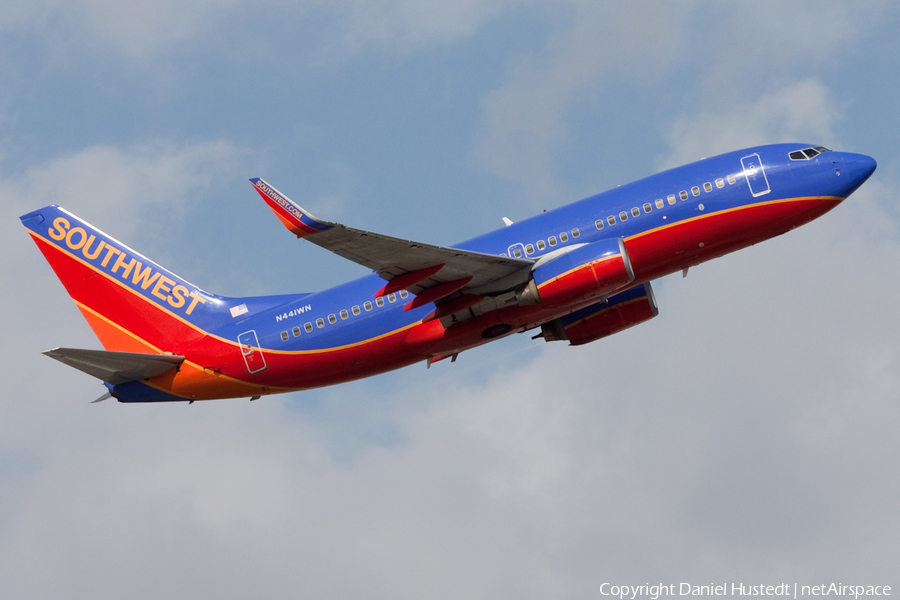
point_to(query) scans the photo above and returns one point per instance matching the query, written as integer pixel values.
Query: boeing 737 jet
(578, 273)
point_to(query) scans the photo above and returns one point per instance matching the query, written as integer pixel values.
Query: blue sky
(747, 433)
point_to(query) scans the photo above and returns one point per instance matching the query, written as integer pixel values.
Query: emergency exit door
(253, 356)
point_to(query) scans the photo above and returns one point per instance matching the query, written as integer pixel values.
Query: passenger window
(296, 331)
(647, 207)
(575, 232)
(517, 252)
(731, 179)
(379, 302)
(367, 305)
(552, 239)
(392, 297)
(707, 187)
(564, 237)
(308, 327)
(671, 198)
(611, 220)
(623, 216)
(284, 336)
(635, 212)
(332, 319)
(598, 223)
(660, 203)
(355, 310)
(529, 249)
(344, 313)
(682, 194)
(695, 190)
(503, 254)
(541, 245)
(320, 323)
(720, 183)
(404, 293)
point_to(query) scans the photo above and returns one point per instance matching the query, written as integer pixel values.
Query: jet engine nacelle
(590, 271)
(602, 319)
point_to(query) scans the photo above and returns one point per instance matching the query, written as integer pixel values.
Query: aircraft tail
(131, 303)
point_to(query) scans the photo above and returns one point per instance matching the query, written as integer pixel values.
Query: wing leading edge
(405, 264)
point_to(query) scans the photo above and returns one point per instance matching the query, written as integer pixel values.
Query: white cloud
(135, 29)
(404, 25)
(800, 112)
(742, 72)
(145, 29)
(161, 176)
(524, 120)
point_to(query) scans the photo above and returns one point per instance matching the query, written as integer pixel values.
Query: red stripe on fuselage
(670, 248)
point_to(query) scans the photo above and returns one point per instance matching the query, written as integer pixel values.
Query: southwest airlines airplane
(579, 273)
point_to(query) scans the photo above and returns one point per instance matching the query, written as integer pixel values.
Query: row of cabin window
(541, 246)
(320, 322)
(623, 216)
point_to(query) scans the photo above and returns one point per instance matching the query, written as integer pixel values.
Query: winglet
(299, 221)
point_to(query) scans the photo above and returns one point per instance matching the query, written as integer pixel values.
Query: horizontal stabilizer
(116, 367)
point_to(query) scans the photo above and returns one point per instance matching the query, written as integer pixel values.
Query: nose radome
(857, 169)
(859, 165)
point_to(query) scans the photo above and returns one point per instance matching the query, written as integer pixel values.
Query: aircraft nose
(857, 168)
(859, 165)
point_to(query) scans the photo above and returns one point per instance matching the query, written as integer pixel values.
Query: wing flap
(116, 367)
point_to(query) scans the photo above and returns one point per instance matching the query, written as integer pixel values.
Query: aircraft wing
(405, 264)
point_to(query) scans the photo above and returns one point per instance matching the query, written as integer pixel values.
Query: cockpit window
(808, 153)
